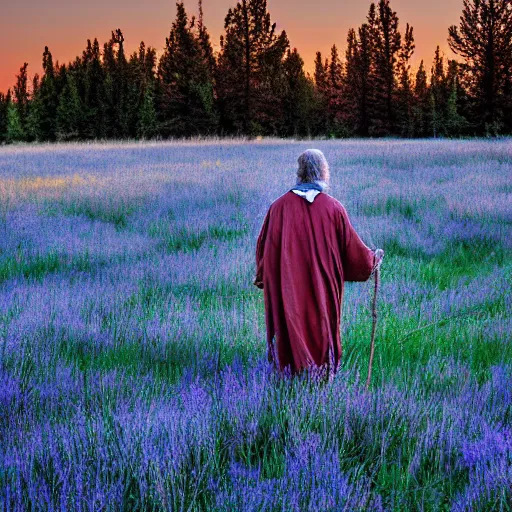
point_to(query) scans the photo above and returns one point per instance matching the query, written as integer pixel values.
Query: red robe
(304, 254)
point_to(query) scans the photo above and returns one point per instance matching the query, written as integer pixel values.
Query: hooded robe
(307, 248)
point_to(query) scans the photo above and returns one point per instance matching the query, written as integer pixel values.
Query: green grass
(166, 358)
(37, 266)
(108, 209)
(460, 259)
(404, 343)
(186, 239)
(410, 209)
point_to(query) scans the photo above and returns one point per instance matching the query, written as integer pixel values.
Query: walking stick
(374, 324)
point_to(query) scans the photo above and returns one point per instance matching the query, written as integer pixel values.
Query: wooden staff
(374, 324)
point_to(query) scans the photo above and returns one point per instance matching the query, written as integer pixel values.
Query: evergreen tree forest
(256, 83)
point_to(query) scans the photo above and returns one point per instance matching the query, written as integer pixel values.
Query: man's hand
(379, 254)
(258, 283)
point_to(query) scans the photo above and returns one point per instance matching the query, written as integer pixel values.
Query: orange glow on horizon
(24, 32)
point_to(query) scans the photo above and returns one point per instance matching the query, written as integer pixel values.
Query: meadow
(133, 372)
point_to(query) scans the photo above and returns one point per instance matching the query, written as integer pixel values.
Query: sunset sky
(65, 25)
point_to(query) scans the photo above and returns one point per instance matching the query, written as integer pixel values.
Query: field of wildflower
(133, 372)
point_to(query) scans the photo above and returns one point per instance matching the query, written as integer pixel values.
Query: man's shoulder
(330, 204)
(287, 196)
(331, 201)
(283, 199)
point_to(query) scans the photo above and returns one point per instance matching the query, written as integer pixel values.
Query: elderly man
(306, 250)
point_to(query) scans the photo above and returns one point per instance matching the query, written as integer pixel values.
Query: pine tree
(185, 88)
(321, 80)
(209, 62)
(33, 131)
(15, 132)
(78, 68)
(205, 43)
(437, 95)
(109, 89)
(321, 92)
(140, 76)
(21, 97)
(484, 40)
(386, 45)
(147, 126)
(454, 123)
(44, 103)
(367, 79)
(122, 109)
(405, 98)
(351, 90)
(115, 86)
(141, 96)
(359, 86)
(95, 107)
(69, 111)
(5, 99)
(298, 97)
(335, 105)
(148, 60)
(250, 76)
(421, 106)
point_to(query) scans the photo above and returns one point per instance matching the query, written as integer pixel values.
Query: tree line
(256, 83)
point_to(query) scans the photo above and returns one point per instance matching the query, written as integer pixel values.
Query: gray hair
(312, 167)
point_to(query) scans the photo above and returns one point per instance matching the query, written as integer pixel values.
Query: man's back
(306, 250)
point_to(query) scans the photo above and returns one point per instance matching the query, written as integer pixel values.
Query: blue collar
(304, 187)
